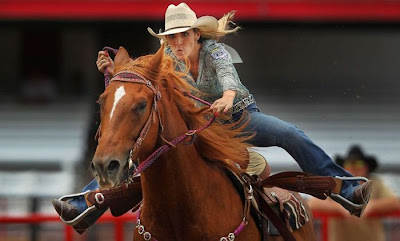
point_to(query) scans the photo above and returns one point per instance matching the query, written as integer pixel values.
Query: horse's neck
(174, 172)
(185, 197)
(184, 192)
(178, 172)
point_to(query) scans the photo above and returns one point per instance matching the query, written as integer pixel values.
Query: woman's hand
(225, 103)
(105, 62)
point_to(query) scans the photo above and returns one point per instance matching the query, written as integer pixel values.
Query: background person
(382, 200)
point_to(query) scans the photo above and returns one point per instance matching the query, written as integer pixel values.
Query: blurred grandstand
(330, 67)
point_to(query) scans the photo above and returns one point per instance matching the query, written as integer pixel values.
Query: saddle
(279, 211)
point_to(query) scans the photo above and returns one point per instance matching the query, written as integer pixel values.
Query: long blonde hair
(224, 27)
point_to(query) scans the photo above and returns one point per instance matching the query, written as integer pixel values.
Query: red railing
(323, 218)
(68, 230)
(119, 222)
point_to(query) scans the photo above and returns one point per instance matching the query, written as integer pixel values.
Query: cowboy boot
(71, 215)
(360, 200)
(66, 210)
(83, 209)
(361, 196)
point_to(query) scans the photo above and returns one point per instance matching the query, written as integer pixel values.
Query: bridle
(133, 77)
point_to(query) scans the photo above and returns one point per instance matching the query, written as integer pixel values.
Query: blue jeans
(271, 131)
(80, 203)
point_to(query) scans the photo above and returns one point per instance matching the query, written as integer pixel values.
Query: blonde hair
(224, 27)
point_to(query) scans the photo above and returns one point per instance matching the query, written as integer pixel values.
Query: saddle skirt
(286, 204)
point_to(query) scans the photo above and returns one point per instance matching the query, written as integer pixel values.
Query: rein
(164, 148)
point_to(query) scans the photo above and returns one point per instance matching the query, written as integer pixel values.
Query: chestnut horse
(187, 194)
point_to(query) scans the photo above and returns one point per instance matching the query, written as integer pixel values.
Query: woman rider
(194, 40)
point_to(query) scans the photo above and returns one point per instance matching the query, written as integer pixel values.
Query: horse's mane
(220, 143)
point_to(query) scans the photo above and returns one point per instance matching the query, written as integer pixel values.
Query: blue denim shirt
(216, 72)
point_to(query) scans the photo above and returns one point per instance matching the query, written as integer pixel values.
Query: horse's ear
(157, 58)
(122, 56)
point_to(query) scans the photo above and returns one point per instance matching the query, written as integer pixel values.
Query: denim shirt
(216, 72)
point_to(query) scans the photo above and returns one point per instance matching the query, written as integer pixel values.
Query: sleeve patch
(218, 53)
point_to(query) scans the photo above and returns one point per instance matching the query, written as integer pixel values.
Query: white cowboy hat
(181, 18)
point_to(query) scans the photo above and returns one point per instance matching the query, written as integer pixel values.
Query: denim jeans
(80, 203)
(271, 131)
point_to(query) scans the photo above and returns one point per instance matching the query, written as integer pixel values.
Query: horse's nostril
(113, 166)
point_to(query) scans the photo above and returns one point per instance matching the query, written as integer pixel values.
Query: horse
(187, 194)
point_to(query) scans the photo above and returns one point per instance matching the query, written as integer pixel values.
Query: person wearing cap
(193, 43)
(382, 200)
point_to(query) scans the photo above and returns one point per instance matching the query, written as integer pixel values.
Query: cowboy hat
(181, 18)
(356, 153)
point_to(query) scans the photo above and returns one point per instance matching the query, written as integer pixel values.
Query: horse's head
(127, 108)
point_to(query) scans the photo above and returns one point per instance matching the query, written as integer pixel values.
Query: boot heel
(361, 196)
(354, 209)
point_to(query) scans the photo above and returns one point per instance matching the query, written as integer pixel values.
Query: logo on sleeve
(219, 53)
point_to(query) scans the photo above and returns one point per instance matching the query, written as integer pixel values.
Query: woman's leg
(76, 205)
(80, 202)
(271, 131)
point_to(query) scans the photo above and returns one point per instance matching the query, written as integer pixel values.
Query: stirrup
(352, 207)
(81, 216)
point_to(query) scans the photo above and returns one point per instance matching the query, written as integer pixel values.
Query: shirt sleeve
(224, 68)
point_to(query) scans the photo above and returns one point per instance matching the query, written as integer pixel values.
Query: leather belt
(242, 104)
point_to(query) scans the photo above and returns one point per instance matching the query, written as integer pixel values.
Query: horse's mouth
(109, 182)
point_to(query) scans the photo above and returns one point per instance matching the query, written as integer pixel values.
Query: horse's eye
(141, 106)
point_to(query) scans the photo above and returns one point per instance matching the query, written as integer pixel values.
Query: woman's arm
(227, 77)
(224, 103)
